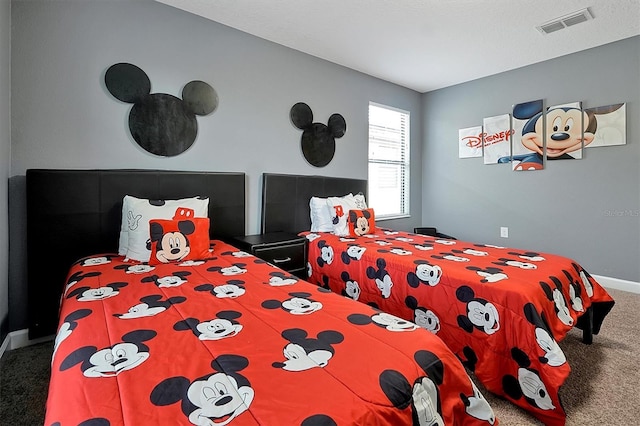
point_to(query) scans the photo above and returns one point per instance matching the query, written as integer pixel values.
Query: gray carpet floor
(24, 382)
(602, 388)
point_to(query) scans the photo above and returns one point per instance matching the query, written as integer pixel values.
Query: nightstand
(282, 249)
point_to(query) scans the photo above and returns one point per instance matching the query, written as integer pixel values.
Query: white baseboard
(5, 345)
(19, 339)
(618, 284)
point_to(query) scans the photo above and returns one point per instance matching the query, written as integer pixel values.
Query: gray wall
(63, 117)
(585, 209)
(5, 159)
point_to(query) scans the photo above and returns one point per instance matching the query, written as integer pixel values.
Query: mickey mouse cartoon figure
(528, 383)
(585, 277)
(299, 304)
(161, 124)
(425, 273)
(351, 286)
(384, 320)
(423, 395)
(477, 406)
(481, 313)
(88, 294)
(489, 274)
(279, 279)
(112, 360)
(361, 224)
(381, 277)
(304, 353)
(353, 252)
(214, 399)
(78, 276)
(150, 305)
(553, 355)
(138, 268)
(172, 244)
(563, 135)
(318, 140)
(326, 253)
(575, 292)
(223, 326)
(422, 316)
(556, 296)
(178, 278)
(70, 323)
(528, 255)
(232, 289)
(234, 269)
(95, 261)
(515, 263)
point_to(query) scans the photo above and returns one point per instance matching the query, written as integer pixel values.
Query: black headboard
(285, 198)
(76, 213)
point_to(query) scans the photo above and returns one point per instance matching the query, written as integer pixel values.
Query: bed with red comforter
(233, 340)
(500, 310)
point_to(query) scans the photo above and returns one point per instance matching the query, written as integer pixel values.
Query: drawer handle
(286, 259)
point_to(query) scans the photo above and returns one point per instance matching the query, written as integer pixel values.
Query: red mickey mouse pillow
(361, 222)
(179, 239)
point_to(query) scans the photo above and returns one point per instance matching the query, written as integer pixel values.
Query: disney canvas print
(470, 142)
(610, 125)
(527, 139)
(496, 138)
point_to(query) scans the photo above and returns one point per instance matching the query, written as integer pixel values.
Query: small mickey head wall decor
(161, 124)
(318, 140)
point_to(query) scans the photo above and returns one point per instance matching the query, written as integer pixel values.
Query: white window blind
(389, 142)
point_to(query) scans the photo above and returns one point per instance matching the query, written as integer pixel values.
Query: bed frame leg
(587, 331)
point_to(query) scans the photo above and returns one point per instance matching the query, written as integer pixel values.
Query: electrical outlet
(504, 232)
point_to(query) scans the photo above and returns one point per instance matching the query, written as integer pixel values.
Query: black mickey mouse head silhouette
(318, 140)
(161, 124)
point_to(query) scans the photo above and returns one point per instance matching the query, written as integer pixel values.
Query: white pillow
(321, 215)
(136, 214)
(340, 213)
(360, 201)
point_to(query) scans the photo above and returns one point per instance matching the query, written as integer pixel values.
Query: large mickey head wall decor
(160, 123)
(318, 140)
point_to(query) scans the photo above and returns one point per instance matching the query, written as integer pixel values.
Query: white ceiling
(424, 44)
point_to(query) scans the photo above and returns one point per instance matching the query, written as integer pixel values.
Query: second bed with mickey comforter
(501, 311)
(231, 339)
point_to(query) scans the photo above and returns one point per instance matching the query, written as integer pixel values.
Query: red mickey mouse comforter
(234, 340)
(502, 311)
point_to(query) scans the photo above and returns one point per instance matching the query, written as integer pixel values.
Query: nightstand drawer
(288, 257)
(282, 249)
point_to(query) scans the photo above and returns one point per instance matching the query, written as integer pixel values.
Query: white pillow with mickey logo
(360, 201)
(340, 207)
(136, 214)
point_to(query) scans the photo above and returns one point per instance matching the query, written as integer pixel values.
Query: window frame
(404, 164)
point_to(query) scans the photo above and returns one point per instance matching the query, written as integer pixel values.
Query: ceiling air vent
(565, 21)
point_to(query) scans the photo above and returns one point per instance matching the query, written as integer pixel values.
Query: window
(388, 161)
